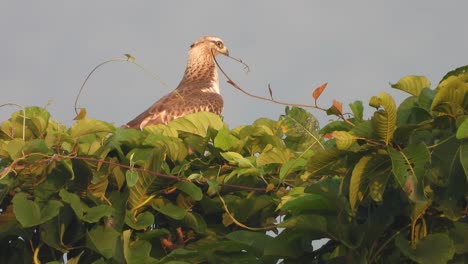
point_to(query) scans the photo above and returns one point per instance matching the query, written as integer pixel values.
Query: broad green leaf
(95, 213)
(237, 159)
(90, 126)
(273, 155)
(141, 221)
(459, 235)
(191, 189)
(131, 177)
(436, 248)
(344, 140)
(355, 194)
(137, 251)
(254, 240)
(323, 160)
(37, 119)
(74, 201)
(409, 168)
(300, 128)
(29, 213)
(335, 126)
(358, 109)
(14, 148)
(462, 131)
(196, 222)
(412, 84)
(150, 159)
(224, 140)
(174, 147)
(306, 223)
(384, 121)
(450, 96)
(306, 203)
(197, 123)
(169, 209)
(291, 166)
(103, 240)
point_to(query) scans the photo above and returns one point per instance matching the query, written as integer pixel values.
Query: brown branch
(49, 159)
(231, 82)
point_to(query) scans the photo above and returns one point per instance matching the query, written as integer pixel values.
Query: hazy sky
(48, 48)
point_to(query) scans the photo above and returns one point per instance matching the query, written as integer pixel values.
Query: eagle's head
(210, 43)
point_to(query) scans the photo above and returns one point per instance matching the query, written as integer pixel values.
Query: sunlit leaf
(412, 84)
(89, 126)
(197, 123)
(450, 96)
(344, 140)
(384, 121)
(237, 159)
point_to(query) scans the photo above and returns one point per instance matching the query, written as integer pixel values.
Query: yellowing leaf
(384, 121)
(355, 195)
(81, 115)
(344, 140)
(412, 84)
(450, 96)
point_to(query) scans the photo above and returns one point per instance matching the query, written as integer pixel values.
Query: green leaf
(462, 131)
(29, 213)
(412, 84)
(174, 147)
(307, 202)
(409, 168)
(358, 109)
(355, 194)
(291, 166)
(323, 160)
(254, 240)
(14, 148)
(103, 240)
(224, 140)
(273, 155)
(90, 126)
(450, 96)
(74, 201)
(306, 223)
(169, 209)
(433, 249)
(37, 119)
(191, 189)
(141, 221)
(384, 121)
(94, 214)
(131, 177)
(344, 140)
(237, 159)
(459, 235)
(197, 123)
(137, 251)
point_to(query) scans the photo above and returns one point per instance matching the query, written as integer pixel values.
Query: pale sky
(49, 47)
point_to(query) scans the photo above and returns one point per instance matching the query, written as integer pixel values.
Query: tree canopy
(391, 188)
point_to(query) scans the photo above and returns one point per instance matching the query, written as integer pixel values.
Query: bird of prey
(197, 91)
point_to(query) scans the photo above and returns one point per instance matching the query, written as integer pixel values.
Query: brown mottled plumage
(198, 91)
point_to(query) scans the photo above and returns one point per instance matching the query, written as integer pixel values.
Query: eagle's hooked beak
(224, 51)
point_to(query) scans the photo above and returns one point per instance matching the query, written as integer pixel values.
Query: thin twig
(231, 82)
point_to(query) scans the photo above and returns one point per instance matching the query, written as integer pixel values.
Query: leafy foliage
(389, 189)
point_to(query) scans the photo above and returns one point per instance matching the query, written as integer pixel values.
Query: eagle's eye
(219, 44)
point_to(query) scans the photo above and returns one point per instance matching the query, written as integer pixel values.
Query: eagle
(197, 91)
